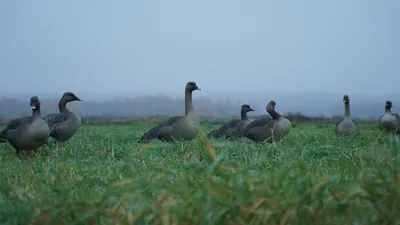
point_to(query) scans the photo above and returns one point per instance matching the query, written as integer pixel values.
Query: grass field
(102, 176)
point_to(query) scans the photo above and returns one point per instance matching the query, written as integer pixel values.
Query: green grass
(102, 176)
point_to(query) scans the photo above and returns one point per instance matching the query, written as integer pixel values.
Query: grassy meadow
(102, 176)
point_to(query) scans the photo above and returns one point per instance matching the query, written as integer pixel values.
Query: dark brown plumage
(28, 133)
(64, 124)
(347, 126)
(177, 128)
(227, 130)
(389, 121)
(265, 129)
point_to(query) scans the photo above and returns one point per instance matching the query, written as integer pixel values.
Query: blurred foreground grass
(102, 176)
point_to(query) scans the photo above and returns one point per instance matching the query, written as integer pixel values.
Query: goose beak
(251, 109)
(197, 88)
(78, 99)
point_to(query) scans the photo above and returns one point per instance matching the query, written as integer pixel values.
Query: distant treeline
(138, 110)
(294, 117)
(137, 106)
(162, 105)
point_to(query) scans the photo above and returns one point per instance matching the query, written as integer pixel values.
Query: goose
(227, 129)
(64, 124)
(388, 122)
(28, 133)
(178, 128)
(347, 126)
(267, 129)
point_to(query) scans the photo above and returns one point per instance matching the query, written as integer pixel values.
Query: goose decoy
(227, 129)
(64, 124)
(267, 129)
(389, 121)
(178, 127)
(28, 133)
(347, 126)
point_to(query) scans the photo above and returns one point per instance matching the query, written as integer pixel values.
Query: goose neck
(347, 109)
(275, 115)
(36, 112)
(188, 102)
(387, 110)
(243, 115)
(62, 106)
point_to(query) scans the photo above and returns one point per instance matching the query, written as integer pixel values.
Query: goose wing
(253, 124)
(397, 122)
(222, 129)
(14, 124)
(55, 122)
(153, 132)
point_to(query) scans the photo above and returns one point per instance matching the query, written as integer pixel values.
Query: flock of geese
(30, 133)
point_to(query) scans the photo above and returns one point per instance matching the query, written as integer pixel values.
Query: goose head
(246, 108)
(69, 97)
(271, 106)
(35, 103)
(388, 105)
(346, 99)
(192, 86)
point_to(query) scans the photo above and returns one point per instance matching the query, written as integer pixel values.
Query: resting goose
(347, 126)
(266, 129)
(27, 133)
(178, 127)
(388, 122)
(227, 129)
(64, 124)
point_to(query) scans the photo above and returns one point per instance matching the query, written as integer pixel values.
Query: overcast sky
(224, 45)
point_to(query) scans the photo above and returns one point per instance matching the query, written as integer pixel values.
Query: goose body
(266, 129)
(389, 122)
(64, 124)
(347, 126)
(177, 128)
(228, 129)
(27, 133)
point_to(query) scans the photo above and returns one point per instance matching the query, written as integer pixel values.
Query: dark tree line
(162, 105)
(138, 106)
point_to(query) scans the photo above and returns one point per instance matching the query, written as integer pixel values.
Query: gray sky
(226, 45)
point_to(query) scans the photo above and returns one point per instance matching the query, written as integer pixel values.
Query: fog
(305, 54)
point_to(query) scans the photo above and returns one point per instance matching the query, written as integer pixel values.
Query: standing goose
(347, 126)
(27, 133)
(388, 122)
(178, 127)
(227, 129)
(266, 129)
(64, 124)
